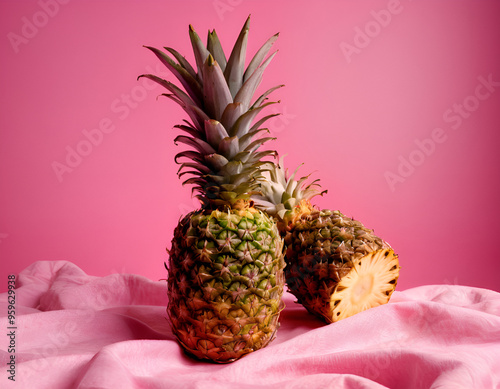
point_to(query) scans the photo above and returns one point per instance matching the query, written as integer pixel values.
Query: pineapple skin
(322, 247)
(225, 283)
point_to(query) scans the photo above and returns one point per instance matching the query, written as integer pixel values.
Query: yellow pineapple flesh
(370, 283)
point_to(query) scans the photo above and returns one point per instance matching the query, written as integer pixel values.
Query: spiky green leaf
(216, 161)
(259, 56)
(215, 48)
(200, 51)
(228, 147)
(262, 97)
(230, 115)
(249, 87)
(198, 144)
(243, 124)
(246, 139)
(190, 84)
(190, 154)
(182, 61)
(214, 132)
(236, 63)
(171, 87)
(215, 90)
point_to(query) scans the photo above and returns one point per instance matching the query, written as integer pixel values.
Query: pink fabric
(75, 330)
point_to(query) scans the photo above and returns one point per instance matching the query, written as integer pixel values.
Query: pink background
(352, 118)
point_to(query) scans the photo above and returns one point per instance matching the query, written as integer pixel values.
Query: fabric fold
(76, 330)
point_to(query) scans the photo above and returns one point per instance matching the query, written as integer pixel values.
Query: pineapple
(336, 267)
(225, 267)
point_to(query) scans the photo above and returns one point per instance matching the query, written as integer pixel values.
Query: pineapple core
(370, 283)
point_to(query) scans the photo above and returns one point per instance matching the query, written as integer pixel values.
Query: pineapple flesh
(225, 266)
(368, 284)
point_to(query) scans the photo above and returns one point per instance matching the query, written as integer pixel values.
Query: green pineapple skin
(225, 282)
(321, 249)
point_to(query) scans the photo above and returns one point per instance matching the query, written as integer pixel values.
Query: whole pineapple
(336, 267)
(225, 268)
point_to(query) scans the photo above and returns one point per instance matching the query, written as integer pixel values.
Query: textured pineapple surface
(225, 283)
(336, 267)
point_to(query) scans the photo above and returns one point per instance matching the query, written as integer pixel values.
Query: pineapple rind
(225, 283)
(325, 250)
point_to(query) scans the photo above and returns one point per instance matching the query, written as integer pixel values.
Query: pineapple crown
(284, 197)
(223, 165)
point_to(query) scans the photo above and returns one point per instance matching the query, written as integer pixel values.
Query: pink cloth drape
(76, 330)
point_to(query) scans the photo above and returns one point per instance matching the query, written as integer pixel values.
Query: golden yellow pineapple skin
(225, 283)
